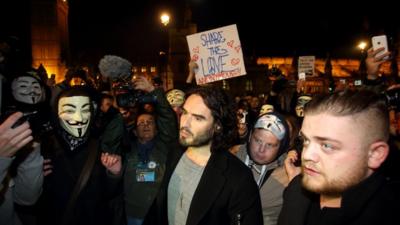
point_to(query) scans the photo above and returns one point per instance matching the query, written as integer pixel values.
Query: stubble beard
(201, 139)
(336, 185)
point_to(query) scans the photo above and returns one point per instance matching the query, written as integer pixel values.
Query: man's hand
(192, 71)
(373, 63)
(112, 162)
(13, 139)
(291, 169)
(142, 83)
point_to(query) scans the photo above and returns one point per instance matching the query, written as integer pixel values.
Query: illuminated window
(134, 69)
(153, 69)
(225, 85)
(143, 70)
(249, 85)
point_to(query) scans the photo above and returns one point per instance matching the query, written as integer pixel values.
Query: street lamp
(363, 67)
(362, 45)
(165, 19)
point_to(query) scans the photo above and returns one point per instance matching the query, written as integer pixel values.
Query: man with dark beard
(206, 184)
(345, 143)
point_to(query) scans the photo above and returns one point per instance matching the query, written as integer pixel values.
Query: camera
(392, 98)
(37, 122)
(127, 96)
(27, 117)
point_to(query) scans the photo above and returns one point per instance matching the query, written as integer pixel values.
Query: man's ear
(377, 153)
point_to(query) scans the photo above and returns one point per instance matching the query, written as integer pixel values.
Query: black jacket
(226, 189)
(92, 204)
(374, 201)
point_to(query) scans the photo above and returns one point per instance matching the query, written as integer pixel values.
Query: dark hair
(76, 72)
(106, 96)
(354, 103)
(142, 112)
(223, 110)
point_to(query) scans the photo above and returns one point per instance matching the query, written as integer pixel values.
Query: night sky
(132, 28)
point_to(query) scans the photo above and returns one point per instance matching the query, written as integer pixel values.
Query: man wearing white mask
(26, 95)
(264, 154)
(301, 102)
(27, 89)
(77, 187)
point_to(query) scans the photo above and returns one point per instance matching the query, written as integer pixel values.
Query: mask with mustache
(74, 114)
(27, 89)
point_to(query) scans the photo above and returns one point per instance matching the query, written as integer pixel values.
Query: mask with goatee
(27, 90)
(74, 114)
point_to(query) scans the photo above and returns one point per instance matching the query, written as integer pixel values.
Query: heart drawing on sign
(196, 50)
(235, 61)
(237, 48)
(230, 44)
(195, 57)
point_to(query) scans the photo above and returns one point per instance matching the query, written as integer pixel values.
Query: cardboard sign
(306, 65)
(218, 54)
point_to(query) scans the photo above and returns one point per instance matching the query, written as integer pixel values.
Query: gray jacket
(25, 188)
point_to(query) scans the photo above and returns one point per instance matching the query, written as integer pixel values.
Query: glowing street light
(362, 45)
(165, 19)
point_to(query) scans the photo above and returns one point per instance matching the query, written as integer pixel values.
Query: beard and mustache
(326, 184)
(192, 140)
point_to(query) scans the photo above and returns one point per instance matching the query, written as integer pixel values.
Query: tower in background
(49, 36)
(178, 58)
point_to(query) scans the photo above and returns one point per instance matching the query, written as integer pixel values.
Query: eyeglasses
(145, 123)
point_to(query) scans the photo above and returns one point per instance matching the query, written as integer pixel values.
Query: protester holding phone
(376, 56)
(13, 139)
(28, 172)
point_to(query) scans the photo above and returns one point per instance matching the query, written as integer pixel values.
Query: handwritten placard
(306, 65)
(218, 54)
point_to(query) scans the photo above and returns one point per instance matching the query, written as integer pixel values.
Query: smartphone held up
(380, 42)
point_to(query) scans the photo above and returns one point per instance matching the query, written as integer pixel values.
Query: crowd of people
(76, 153)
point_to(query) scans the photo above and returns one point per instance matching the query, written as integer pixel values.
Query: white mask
(301, 102)
(74, 114)
(27, 90)
(266, 109)
(176, 97)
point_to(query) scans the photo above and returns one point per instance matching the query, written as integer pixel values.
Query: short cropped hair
(223, 110)
(365, 104)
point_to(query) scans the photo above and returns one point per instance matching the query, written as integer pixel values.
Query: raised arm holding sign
(218, 54)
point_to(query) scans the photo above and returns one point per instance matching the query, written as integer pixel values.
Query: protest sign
(218, 54)
(306, 65)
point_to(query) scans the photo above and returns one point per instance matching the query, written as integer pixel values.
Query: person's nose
(310, 152)
(77, 116)
(185, 120)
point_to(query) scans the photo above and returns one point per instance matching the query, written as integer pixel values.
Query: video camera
(127, 97)
(37, 122)
(119, 71)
